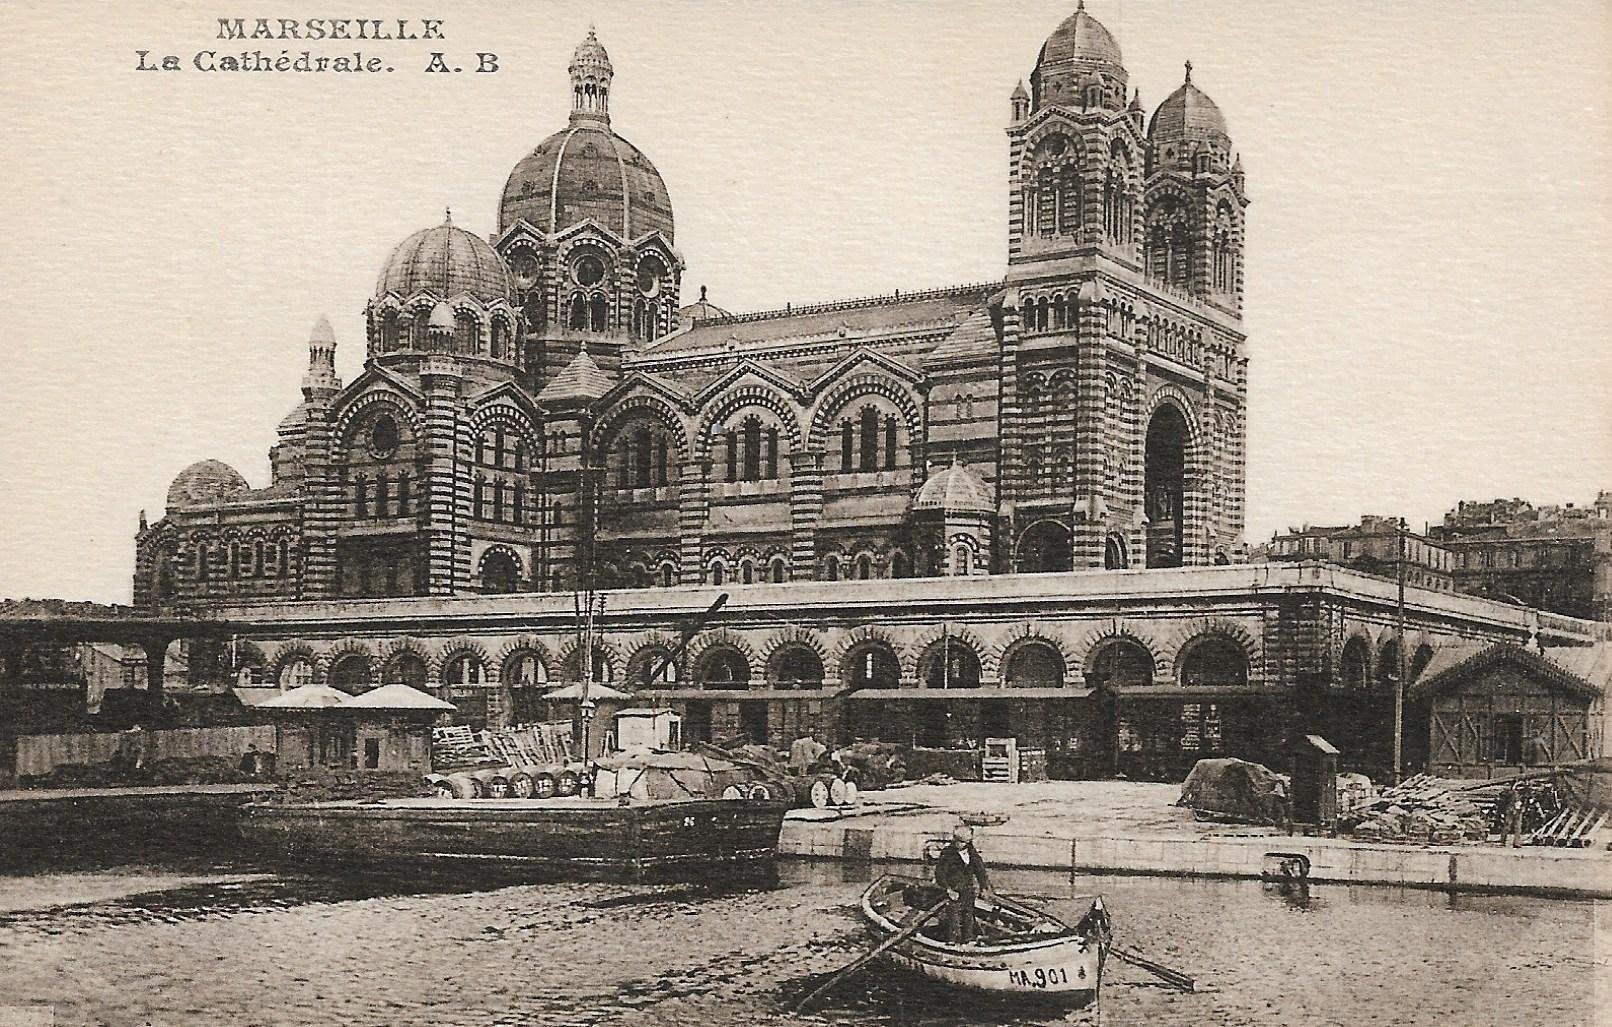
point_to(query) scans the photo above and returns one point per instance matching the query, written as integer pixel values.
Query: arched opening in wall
(718, 572)
(602, 670)
(577, 316)
(864, 567)
(466, 333)
(1035, 665)
(778, 570)
(500, 572)
(900, 565)
(295, 672)
(524, 668)
(463, 671)
(797, 666)
(1353, 665)
(962, 560)
(1045, 547)
(598, 314)
(1419, 661)
(950, 663)
(351, 673)
(1120, 663)
(1388, 666)
(1114, 556)
(747, 571)
(668, 574)
(1164, 478)
(405, 668)
(655, 667)
(723, 668)
(1214, 661)
(872, 665)
(831, 568)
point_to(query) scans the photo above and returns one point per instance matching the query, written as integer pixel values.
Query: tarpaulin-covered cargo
(665, 775)
(1235, 789)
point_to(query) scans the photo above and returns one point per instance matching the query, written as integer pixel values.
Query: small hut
(1502, 709)
(308, 733)
(391, 727)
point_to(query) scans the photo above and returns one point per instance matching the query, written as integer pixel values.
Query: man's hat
(963, 833)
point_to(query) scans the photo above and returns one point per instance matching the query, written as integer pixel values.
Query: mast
(1399, 651)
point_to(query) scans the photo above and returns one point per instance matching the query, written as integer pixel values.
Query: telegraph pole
(1399, 651)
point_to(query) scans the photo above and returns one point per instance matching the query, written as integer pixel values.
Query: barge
(539, 839)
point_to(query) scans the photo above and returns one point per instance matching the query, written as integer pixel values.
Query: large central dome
(586, 170)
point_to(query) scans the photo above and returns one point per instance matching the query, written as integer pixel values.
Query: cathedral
(540, 411)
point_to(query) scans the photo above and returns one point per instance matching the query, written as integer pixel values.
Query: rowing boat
(1020, 950)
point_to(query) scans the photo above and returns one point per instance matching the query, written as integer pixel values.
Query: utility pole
(1399, 651)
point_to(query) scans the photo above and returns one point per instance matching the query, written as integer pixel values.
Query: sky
(1428, 257)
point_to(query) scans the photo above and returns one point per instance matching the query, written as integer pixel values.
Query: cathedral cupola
(1080, 67)
(590, 81)
(321, 376)
(1189, 133)
(1020, 102)
(444, 289)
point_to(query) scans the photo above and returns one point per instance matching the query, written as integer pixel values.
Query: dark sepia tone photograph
(918, 514)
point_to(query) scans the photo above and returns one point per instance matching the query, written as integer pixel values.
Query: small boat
(574, 837)
(1020, 950)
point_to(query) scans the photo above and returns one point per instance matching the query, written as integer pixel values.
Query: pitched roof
(581, 379)
(975, 337)
(915, 311)
(1552, 666)
(396, 696)
(305, 697)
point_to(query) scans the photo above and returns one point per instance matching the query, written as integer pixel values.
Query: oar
(878, 950)
(1174, 978)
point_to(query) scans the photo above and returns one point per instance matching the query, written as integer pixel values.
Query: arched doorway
(1124, 733)
(500, 572)
(1164, 479)
(797, 666)
(1214, 661)
(1035, 665)
(951, 663)
(405, 668)
(724, 668)
(1045, 547)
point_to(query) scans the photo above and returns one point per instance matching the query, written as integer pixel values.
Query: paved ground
(1052, 808)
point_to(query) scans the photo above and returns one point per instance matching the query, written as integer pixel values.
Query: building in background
(1371, 546)
(1555, 557)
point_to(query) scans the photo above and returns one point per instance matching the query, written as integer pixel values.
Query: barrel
(733, 792)
(837, 791)
(494, 782)
(852, 792)
(759, 790)
(813, 791)
(566, 782)
(544, 785)
(521, 785)
(463, 786)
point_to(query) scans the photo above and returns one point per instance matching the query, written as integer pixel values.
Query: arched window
(295, 672)
(962, 561)
(717, 572)
(752, 449)
(872, 665)
(500, 339)
(598, 313)
(889, 443)
(656, 668)
(523, 669)
(405, 668)
(382, 498)
(1035, 665)
(733, 456)
(797, 666)
(1069, 201)
(771, 470)
(644, 457)
(831, 568)
(1120, 662)
(402, 493)
(1114, 554)
(421, 328)
(668, 574)
(1352, 671)
(779, 570)
(951, 663)
(847, 447)
(869, 452)
(463, 670)
(390, 339)
(351, 673)
(500, 572)
(747, 572)
(1214, 661)
(577, 319)
(864, 567)
(724, 668)
(466, 333)
(900, 565)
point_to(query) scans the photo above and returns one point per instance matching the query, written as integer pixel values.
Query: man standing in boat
(961, 872)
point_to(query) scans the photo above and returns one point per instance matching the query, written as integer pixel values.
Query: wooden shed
(392, 727)
(1500, 709)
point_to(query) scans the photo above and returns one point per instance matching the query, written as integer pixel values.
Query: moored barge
(577, 837)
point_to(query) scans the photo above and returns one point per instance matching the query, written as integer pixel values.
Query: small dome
(205, 482)
(590, 57)
(954, 489)
(1080, 38)
(322, 333)
(446, 261)
(703, 310)
(1188, 115)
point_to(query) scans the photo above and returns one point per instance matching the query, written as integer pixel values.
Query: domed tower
(444, 291)
(586, 225)
(1076, 148)
(1193, 237)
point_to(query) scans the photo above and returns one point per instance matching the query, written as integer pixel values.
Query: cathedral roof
(917, 311)
(954, 489)
(975, 337)
(1081, 38)
(446, 261)
(580, 380)
(1189, 114)
(204, 482)
(703, 310)
(587, 171)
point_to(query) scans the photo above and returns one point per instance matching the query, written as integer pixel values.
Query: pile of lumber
(1426, 809)
(546, 744)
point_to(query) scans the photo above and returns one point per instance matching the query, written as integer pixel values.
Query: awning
(970, 694)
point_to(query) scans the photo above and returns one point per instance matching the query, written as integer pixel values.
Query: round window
(383, 437)
(589, 270)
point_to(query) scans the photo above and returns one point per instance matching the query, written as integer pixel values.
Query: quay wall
(1532, 870)
(97, 827)
(40, 754)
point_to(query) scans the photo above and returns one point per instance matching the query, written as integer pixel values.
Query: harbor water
(200, 945)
